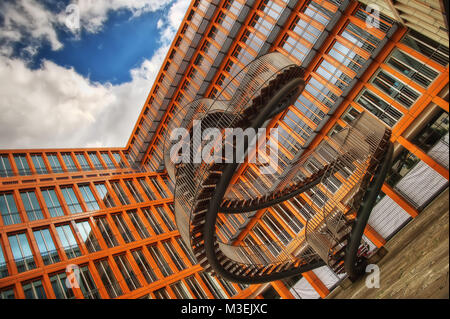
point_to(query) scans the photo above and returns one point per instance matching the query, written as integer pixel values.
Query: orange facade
(110, 211)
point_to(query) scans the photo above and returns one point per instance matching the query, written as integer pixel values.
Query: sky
(76, 73)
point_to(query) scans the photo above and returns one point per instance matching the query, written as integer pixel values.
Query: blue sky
(108, 56)
(82, 87)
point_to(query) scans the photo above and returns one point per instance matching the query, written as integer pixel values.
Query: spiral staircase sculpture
(264, 88)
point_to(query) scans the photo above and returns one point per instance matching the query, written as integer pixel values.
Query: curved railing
(261, 90)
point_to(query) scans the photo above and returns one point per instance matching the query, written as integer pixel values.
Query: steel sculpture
(359, 155)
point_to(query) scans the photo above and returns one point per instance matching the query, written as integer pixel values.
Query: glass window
(109, 280)
(168, 183)
(268, 241)
(105, 195)
(54, 163)
(379, 108)
(161, 294)
(68, 241)
(148, 213)
(21, 251)
(89, 199)
(87, 284)
(7, 293)
(429, 48)
(138, 225)
(95, 161)
(144, 266)
(119, 160)
(148, 191)
(106, 231)
(195, 287)
(134, 192)
(34, 290)
(52, 202)
(160, 260)
(5, 166)
(120, 193)
(82, 162)
(88, 236)
(3, 266)
(31, 205)
(166, 218)
(70, 164)
(289, 218)
(394, 88)
(107, 160)
(46, 246)
(417, 71)
(8, 209)
(228, 287)
(279, 231)
(127, 272)
(213, 286)
(38, 163)
(71, 200)
(123, 228)
(180, 290)
(158, 186)
(59, 286)
(176, 259)
(22, 164)
(186, 251)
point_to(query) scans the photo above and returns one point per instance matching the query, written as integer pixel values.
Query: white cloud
(94, 13)
(55, 107)
(29, 21)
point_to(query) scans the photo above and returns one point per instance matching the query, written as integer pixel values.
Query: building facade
(110, 211)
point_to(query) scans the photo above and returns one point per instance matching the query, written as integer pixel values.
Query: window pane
(107, 160)
(88, 197)
(148, 191)
(21, 251)
(127, 272)
(88, 236)
(87, 284)
(7, 293)
(54, 163)
(123, 228)
(8, 209)
(104, 195)
(34, 290)
(71, 200)
(5, 166)
(52, 202)
(144, 266)
(46, 246)
(108, 278)
(68, 241)
(22, 164)
(3, 267)
(106, 231)
(137, 223)
(31, 205)
(120, 193)
(82, 162)
(70, 164)
(95, 161)
(38, 163)
(60, 288)
(160, 261)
